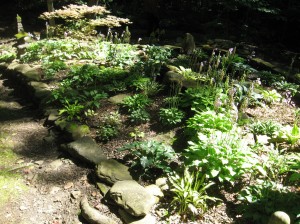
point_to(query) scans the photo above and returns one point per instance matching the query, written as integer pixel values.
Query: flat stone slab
(110, 171)
(132, 197)
(117, 99)
(86, 149)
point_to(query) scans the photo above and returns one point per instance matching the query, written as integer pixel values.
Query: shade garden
(206, 121)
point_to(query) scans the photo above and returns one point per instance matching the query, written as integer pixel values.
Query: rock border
(83, 147)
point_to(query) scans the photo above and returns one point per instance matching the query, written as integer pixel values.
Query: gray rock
(111, 171)
(117, 99)
(132, 197)
(34, 73)
(129, 219)
(155, 191)
(41, 90)
(31, 73)
(53, 114)
(77, 131)
(173, 76)
(166, 138)
(279, 218)
(162, 183)
(22, 68)
(103, 188)
(12, 65)
(54, 165)
(86, 149)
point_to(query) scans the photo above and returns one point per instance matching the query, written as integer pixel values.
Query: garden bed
(224, 134)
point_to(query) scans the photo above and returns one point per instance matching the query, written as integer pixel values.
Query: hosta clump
(271, 96)
(221, 156)
(63, 49)
(71, 110)
(135, 102)
(91, 98)
(288, 134)
(280, 166)
(269, 78)
(110, 127)
(287, 87)
(189, 192)
(147, 86)
(51, 68)
(7, 56)
(150, 156)
(150, 63)
(201, 98)
(208, 121)
(259, 201)
(170, 116)
(139, 116)
(268, 128)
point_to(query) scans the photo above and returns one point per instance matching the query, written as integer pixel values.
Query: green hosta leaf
(295, 130)
(144, 161)
(214, 173)
(261, 170)
(224, 161)
(295, 177)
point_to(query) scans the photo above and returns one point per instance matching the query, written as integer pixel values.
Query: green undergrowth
(11, 184)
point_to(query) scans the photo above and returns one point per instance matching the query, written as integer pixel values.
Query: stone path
(47, 186)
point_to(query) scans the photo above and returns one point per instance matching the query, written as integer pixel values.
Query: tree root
(93, 216)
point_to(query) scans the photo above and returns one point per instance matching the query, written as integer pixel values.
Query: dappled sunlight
(10, 105)
(11, 186)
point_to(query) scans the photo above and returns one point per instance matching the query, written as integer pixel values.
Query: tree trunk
(51, 9)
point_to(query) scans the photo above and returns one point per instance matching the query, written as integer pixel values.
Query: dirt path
(37, 184)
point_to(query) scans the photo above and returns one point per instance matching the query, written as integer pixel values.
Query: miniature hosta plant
(150, 155)
(7, 55)
(278, 164)
(136, 102)
(271, 96)
(110, 127)
(170, 116)
(147, 86)
(51, 68)
(268, 128)
(72, 110)
(139, 116)
(200, 98)
(288, 134)
(189, 192)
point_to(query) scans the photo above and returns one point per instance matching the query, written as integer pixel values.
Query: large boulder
(31, 73)
(110, 171)
(86, 149)
(132, 197)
